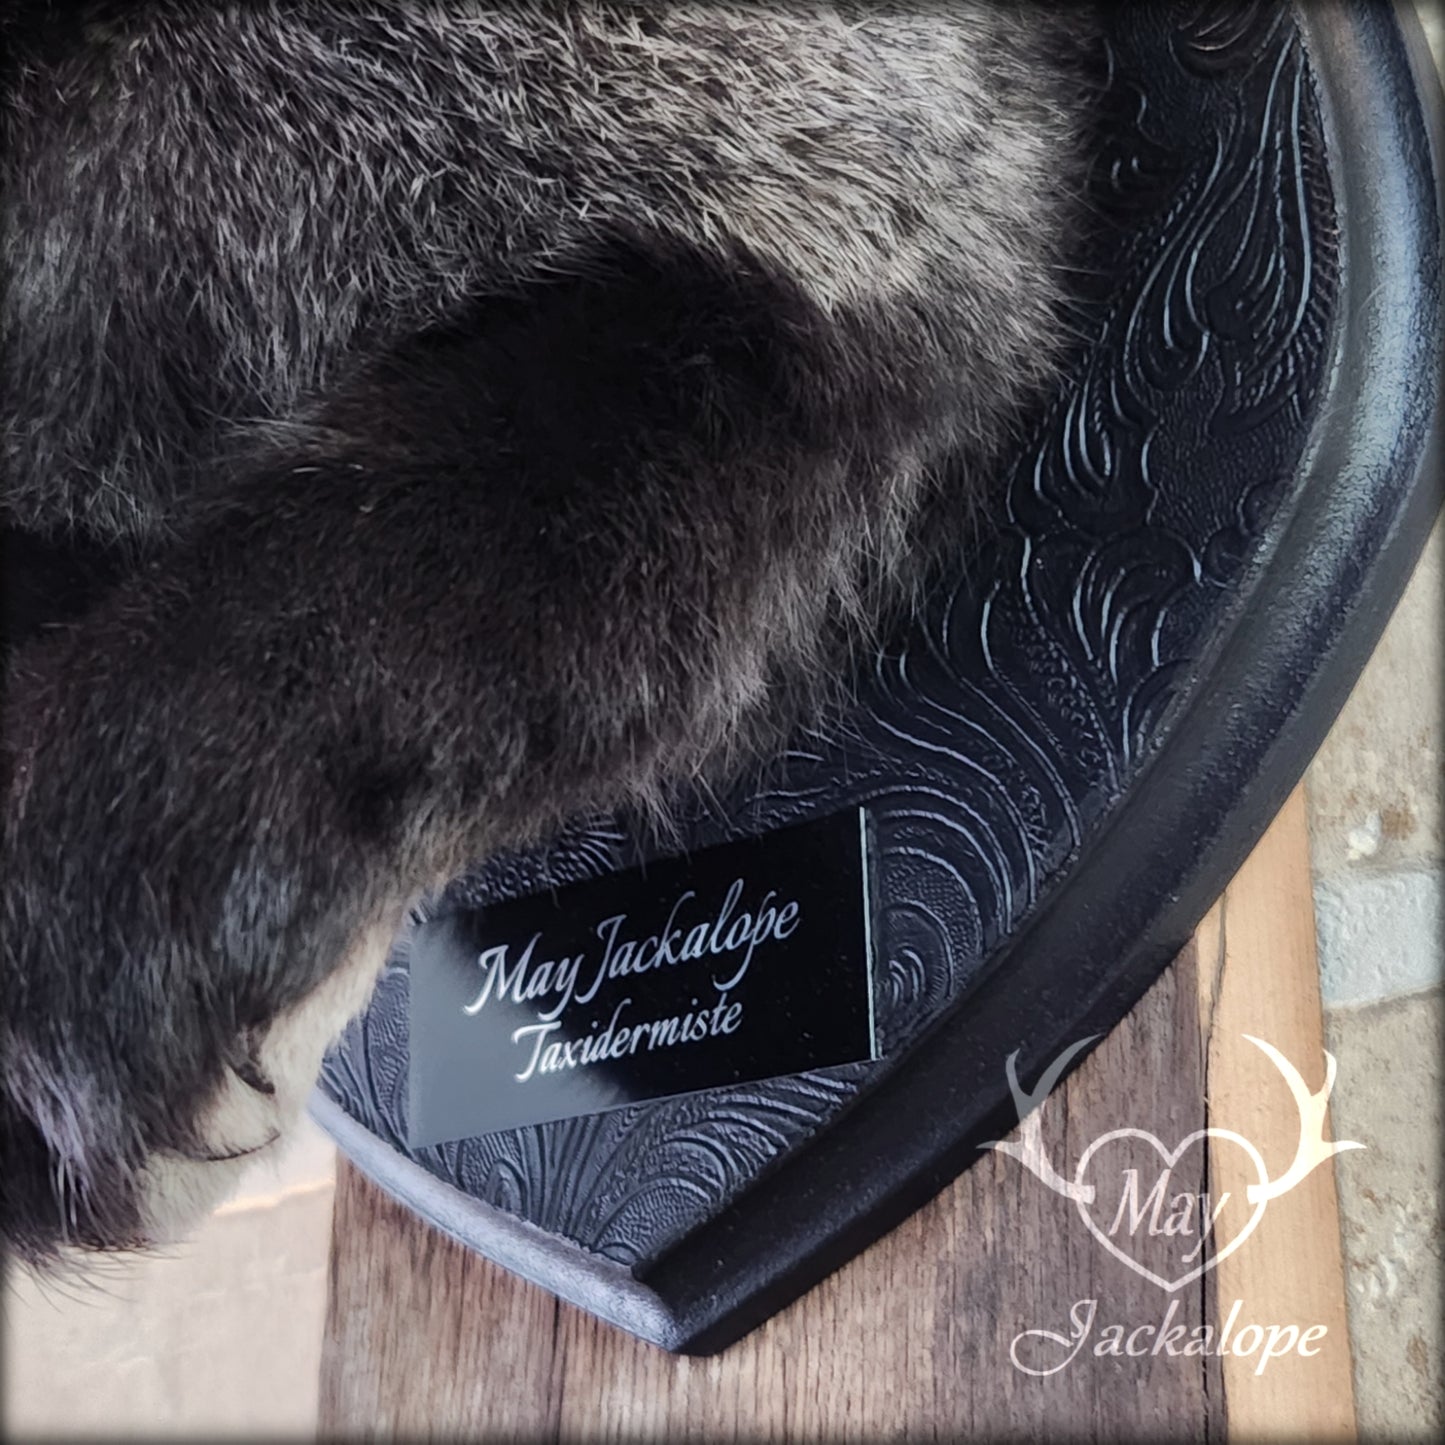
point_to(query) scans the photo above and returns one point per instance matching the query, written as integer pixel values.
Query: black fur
(464, 506)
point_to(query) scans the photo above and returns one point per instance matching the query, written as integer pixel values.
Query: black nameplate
(738, 963)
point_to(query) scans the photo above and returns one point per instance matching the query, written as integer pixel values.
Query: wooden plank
(1264, 982)
(913, 1337)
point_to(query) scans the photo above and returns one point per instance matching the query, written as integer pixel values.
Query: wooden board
(915, 1336)
(1261, 978)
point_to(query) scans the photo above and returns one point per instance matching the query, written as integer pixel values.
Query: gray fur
(518, 409)
(209, 208)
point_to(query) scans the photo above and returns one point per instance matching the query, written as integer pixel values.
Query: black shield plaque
(1064, 757)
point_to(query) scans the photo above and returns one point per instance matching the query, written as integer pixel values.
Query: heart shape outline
(1083, 1204)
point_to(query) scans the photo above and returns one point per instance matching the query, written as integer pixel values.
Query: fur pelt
(504, 410)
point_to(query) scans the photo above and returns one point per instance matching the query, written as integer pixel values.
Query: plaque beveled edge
(557, 1265)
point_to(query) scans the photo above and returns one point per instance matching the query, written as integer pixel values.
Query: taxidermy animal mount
(490, 412)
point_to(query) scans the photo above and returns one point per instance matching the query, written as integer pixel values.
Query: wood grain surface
(1264, 981)
(918, 1336)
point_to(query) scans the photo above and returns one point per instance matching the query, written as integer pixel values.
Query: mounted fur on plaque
(484, 413)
